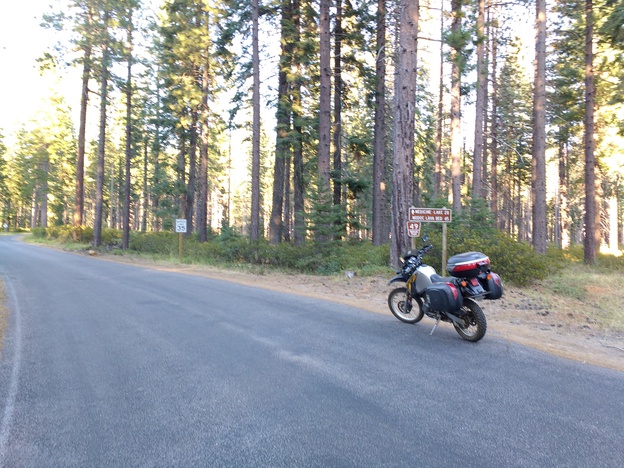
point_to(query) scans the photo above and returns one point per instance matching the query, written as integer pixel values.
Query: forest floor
(524, 315)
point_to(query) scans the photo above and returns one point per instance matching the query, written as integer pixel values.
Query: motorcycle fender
(396, 279)
(474, 290)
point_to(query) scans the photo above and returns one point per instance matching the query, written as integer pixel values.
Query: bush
(38, 233)
(515, 261)
(111, 237)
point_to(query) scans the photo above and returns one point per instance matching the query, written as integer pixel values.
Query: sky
(22, 41)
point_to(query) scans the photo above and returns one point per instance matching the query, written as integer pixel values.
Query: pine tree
(539, 133)
(380, 229)
(404, 116)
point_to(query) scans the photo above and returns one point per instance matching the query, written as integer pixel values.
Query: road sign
(413, 229)
(180, 225)
(430, 215)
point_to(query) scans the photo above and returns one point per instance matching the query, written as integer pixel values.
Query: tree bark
(202, 174)
(539, 133)
(404, 125)
(380, 229)
(591, 207)
(494, 128)
(480, 104)
(456, 144)
(82, 131)
(438, 172)
(324, 126)
(282, 146)
(337, 134)
(254, 228)
(189, 206)
(298, 164)
(126, 215)
(99, 181)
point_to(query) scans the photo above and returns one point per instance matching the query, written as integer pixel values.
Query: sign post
(429, 215)
(180, 227)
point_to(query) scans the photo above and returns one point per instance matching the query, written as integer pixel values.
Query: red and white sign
(430, 215)
(413, 229)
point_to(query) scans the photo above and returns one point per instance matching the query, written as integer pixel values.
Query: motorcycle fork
(408, 296)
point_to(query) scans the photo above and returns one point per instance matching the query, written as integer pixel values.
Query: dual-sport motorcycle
(447, 299)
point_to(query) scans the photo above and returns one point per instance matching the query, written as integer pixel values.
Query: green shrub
(515, 261)
(163, 243)
(111, 237)
(38, 232)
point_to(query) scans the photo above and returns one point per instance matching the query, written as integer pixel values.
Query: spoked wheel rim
(404, 307)
(469, 324)
(474, 325)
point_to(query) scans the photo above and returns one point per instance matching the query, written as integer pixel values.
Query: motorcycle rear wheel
(406, 309)
(474, 323)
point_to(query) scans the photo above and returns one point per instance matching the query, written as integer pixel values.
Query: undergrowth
(516, 262)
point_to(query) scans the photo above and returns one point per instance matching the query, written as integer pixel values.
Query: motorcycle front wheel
(473, 324)
(406, 308)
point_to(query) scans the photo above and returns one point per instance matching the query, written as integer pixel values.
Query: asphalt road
(108, 364)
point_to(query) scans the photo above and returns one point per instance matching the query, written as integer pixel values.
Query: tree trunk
(126, 215)
(404, 125)
(538, 161)
(283, 128)
(82, 131)
(44, 192)
(181, 175)
(254, 228)
(287, 227)
(591, 206)
(145, 188)
(298, 164)
(337, 135)
(456, 144)
(480, 104)
(202, 173)
(494, 132)
(99, 182)
(192, 176)
(564, 217)
(380, 228)
(324, 126)
(437, 175)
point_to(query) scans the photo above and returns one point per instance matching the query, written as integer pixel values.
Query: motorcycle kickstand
(436, 325)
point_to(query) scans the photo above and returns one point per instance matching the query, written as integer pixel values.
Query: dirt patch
(520, 316)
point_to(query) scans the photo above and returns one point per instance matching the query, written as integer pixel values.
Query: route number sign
(180, 225)
(413, 229)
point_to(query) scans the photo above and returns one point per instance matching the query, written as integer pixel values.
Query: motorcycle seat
(435, 278)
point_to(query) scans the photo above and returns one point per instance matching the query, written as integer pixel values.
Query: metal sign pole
(443, 246)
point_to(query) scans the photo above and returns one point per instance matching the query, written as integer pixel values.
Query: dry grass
(587, 296)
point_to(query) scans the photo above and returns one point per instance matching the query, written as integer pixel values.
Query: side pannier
(444, 297)
(493, 286)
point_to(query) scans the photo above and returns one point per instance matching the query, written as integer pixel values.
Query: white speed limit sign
(180, 225)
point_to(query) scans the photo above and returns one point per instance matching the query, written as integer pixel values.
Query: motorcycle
(448, 299)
